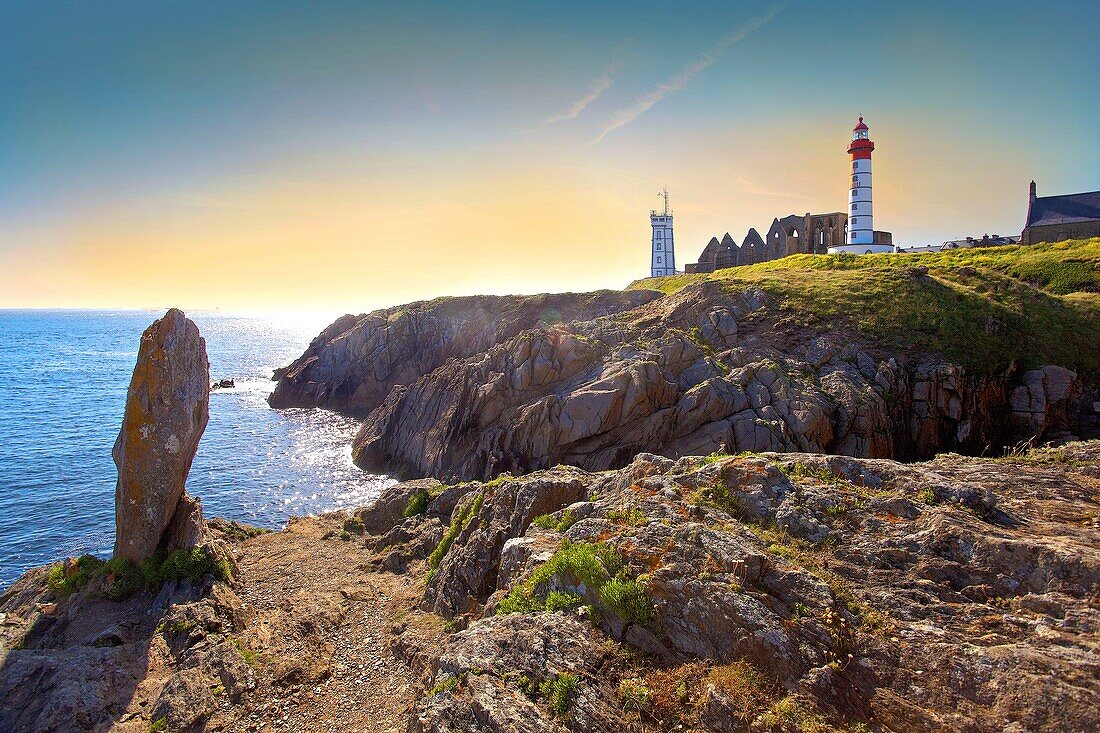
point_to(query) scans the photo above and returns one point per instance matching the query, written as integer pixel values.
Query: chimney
(1031, 194)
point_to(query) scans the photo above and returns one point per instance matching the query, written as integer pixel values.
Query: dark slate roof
(1074, 207)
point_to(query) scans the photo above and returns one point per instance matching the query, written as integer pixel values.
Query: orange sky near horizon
(333, 156)
(347, 234)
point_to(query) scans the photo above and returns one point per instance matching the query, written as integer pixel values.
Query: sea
(63, 380)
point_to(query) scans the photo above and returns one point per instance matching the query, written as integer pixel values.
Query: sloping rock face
(353, 364)
(699, 371)
(773, 592)
(167, 408)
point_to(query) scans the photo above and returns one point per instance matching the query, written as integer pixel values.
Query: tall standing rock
(167, 408)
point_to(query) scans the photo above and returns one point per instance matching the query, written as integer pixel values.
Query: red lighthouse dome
(861, 146)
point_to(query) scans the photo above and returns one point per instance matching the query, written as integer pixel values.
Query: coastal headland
(823, 493)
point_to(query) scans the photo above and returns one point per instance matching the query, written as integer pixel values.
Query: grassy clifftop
(982, 308)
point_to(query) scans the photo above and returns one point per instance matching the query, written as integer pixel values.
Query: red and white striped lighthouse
(861, 222)
(861, 229)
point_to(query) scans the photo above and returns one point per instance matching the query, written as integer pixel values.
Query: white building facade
(860, 238)
(663, 252)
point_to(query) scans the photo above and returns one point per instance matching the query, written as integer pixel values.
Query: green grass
(159, 725)
(123, 578)
(418, 504)
(598, 567)
(559, 601)
(458, 523)
(87, 567)
(447, 684)
(560, 524)
(247, 654)
(628, 599)
(193, 564)
(558, 692)
(720, 496)
(981, 308)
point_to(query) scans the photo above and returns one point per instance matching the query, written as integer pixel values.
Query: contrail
(628, 114)
(596, 87)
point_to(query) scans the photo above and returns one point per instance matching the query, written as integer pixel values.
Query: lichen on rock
(167, 409)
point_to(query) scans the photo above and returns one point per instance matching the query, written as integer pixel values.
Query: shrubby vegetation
(597, 567)
(122, 578)
(560, 524)
(459, 522)
(418, 504)
(558, 692)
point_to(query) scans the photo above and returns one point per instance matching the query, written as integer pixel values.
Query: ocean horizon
(63, 380)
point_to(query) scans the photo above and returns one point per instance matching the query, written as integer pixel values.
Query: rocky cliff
(354, 363)
(764, 592)
(882, 358)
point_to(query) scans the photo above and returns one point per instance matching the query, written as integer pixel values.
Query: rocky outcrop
(773, 592)
(284, 646)
(1042, 401)
(167, 408)
(354, 364)
(769, 593)
(699, 371)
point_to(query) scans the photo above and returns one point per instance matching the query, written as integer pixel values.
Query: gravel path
(320, 614)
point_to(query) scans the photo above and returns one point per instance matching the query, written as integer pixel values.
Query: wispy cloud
(749, 187)
(596, 87)
(640, 105)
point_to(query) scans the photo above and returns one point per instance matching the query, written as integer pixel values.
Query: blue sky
(123, 125)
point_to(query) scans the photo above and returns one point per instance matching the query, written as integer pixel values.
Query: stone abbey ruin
(794, 234)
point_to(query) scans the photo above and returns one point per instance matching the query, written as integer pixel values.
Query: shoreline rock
(167, 409)
(353, 364)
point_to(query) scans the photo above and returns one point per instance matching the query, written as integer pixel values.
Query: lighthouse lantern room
(861, 229)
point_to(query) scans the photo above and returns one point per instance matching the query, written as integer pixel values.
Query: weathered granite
(167, 408)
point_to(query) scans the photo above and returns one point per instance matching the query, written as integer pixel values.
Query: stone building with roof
(793, 234)
(1057, 218)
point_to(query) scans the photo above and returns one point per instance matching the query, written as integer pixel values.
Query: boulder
(167, 408)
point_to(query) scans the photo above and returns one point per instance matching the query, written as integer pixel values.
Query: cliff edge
(892, 356)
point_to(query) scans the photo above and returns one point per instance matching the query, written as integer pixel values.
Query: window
(855, 220)
(794, 233)
(658, 259)
(658, 246)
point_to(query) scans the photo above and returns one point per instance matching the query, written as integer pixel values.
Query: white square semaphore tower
(663, 253)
